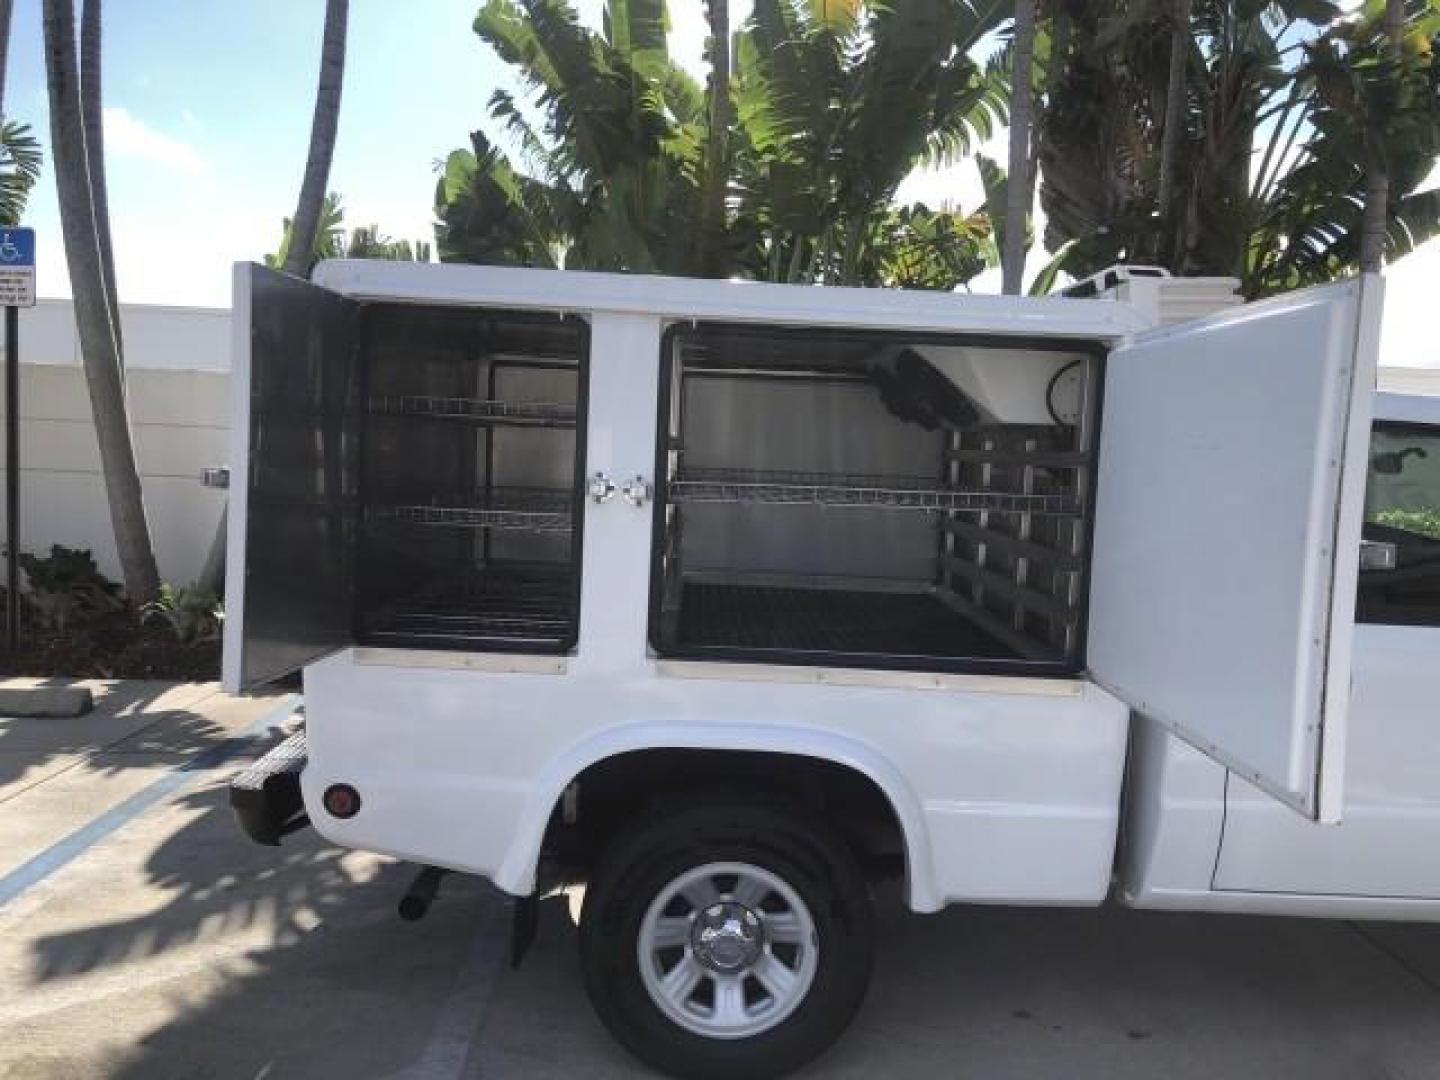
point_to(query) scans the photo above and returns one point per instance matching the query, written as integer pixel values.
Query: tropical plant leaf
(329, 235)
(917, 248)
(1049, 274)
(834, 102)
(20, 165)
(488, 213)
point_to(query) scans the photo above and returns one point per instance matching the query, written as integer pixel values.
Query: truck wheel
(727, 940)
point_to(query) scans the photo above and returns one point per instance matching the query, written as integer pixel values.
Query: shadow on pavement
(233, 960)
(106, 739)
(300, 968)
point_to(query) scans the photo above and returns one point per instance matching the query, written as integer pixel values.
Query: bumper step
(266, 796)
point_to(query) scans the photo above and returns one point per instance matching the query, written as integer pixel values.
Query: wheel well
(611, 793)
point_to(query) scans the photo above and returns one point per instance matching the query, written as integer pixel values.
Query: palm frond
(20, 164)
(918, 248)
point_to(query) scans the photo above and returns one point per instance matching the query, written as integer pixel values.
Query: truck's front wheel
(727, 940)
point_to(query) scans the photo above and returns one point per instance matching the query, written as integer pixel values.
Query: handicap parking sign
(17, 267)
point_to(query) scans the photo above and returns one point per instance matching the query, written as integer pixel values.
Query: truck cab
(1200, 837)
(723, 600)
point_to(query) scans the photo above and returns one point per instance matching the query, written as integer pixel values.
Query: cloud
(126, 136)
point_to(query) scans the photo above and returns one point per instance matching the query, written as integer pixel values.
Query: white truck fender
(516, 873)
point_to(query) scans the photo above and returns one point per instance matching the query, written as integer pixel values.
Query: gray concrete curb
(58, 701)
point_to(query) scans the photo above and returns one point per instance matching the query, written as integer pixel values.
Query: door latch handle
(637, 491)
(602, 488)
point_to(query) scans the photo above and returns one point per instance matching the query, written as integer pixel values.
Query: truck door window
(1402, 508)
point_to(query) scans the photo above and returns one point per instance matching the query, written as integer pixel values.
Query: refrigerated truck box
(726, 598)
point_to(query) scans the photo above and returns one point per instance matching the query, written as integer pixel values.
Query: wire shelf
(828, 489)
(495, 608)
(528, 509)
(478, 410)
(804, 620)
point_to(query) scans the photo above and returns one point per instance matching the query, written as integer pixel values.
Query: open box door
(1227, 532)
(294, 453)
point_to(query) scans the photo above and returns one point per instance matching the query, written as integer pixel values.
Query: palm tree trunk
(92, 99)
(1022, 100)
(1174, 129)
(797, 260)
(322, 140)
(717, 153)
(6, 7)
(97, 344)
(1377, 181)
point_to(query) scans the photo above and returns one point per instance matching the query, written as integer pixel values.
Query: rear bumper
(266, 796)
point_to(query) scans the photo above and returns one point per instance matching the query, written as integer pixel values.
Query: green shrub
(66, 585)
(1426, 522)
(192, 613)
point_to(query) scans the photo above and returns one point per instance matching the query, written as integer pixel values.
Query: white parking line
(452, 1040)
(66, 850)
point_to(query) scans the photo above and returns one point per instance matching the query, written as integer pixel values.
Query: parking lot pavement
(164, 945)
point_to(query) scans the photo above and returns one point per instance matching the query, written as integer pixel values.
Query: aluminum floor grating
(844, 624)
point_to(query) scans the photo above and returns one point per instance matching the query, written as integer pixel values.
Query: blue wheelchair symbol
(17, 247)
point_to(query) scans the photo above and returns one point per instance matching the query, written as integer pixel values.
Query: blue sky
(208, 110)
(208, 119)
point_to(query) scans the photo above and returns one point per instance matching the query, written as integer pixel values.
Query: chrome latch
(637, 491)
(216, 477)
(602, 488)
(1378, 555)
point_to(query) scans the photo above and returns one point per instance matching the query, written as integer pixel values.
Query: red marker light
(341, 801)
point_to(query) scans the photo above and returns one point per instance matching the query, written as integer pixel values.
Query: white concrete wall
(177, 379)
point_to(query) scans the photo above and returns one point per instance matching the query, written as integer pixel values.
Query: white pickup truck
(726, 600)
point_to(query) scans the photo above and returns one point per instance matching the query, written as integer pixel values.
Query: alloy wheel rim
(727, 950)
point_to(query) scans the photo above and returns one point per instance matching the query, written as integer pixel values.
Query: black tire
(791, 844)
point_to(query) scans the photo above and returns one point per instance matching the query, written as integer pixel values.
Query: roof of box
(729, 301)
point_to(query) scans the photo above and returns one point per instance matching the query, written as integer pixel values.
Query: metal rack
(990, 573)
(528, 509)
(506, 607)
(1018, 580)
(797, 619)
(827, 489)
(477, 410)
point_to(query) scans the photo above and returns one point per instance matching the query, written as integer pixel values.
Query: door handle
(216, 476)
(637, 491)
(601, 488)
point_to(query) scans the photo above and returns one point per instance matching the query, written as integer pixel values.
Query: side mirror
(1377, 555)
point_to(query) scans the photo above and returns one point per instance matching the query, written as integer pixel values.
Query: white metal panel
(1174, 814)
(290, 531)
(1004, 797)
(1390, 842)
(1013, 386)
(620, 442)
(231, 662)
(1175, 807)
(1231, 473)
(731, 301)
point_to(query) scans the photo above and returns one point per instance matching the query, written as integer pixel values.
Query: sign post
(17, 290)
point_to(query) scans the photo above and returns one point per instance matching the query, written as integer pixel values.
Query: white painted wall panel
(178, 384)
